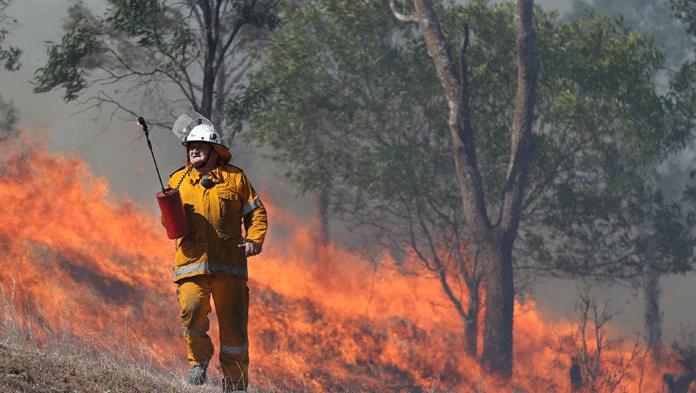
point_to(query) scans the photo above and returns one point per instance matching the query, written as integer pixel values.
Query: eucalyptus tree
(655, 18)
(353, 102)
(351, 107)
(492, 240)
(165, 56)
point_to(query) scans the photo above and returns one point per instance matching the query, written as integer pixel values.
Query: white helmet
(206, 133)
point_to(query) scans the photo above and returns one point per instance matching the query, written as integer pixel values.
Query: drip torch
(169, 199)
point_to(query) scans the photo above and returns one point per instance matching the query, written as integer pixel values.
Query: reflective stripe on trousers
(197, 331)
(234, 350)
(210, 267)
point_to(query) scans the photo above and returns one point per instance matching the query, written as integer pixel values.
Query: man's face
(198, 153)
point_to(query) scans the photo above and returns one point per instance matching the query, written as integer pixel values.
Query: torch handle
(141, 120)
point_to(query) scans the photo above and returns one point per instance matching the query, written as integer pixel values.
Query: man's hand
(250, 248)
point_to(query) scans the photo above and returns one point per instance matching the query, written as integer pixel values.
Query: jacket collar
(195, 176)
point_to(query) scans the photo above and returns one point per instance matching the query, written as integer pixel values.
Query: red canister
(173, 215)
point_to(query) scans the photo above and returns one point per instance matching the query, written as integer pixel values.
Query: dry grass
(66, 364)
(59, 362)
(31, 370)
(25, 369)
(65, 368)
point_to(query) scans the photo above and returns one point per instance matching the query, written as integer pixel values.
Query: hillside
(88, 277)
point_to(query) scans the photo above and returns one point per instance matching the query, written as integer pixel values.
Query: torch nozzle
(141, 120)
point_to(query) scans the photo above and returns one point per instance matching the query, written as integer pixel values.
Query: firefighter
(212, 259)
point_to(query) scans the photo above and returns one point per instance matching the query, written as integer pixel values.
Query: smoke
(679, 163)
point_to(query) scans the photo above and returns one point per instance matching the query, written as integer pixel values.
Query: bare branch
(601, 373)
(398, 15)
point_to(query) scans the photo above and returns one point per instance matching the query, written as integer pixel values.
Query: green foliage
(685, 10)
(9, 55)
(674, 236)
(64, 65)
(242, 106)
(9, 58)
(353, 104)
(167, 56)
(139, 19)
(653, 18)
(247, 12)
(355, 101)
(133, 27)
(681, 102)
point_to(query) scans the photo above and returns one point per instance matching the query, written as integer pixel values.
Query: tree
(353, 101)
(349, 109)
(493, 240)
(665, 246)
(654, 18)
(165, 55)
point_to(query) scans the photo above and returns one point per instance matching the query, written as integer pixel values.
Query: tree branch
(521, 140)
(403, 18)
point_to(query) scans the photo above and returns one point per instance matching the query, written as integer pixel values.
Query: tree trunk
(322, 204)
(494, 241)
(471, 322)
(497, 344)
(211, 48)
(220, 93)
(500, 293)
(653, 317)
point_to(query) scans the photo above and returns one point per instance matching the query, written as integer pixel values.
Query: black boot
(196, 374)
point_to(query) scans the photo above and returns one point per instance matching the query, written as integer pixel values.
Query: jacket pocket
(230, 204)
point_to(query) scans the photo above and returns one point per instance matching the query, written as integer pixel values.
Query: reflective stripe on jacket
(215, 218)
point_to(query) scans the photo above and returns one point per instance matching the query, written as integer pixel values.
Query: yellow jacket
(215, 217)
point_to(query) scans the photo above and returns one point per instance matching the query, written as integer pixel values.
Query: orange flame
(80, 260)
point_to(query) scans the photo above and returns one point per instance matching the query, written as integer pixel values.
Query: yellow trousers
(231, 297)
